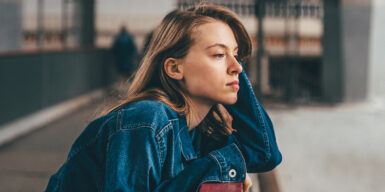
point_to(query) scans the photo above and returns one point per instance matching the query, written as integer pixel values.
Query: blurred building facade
(310, 51)
(47, 57)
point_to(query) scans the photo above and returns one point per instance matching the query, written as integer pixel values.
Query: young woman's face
(210, 69)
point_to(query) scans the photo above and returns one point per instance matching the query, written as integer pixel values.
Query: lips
(233, 84)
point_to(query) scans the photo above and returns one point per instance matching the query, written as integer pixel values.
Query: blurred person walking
(125, 53)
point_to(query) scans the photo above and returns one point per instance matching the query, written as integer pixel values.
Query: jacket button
(232, 173)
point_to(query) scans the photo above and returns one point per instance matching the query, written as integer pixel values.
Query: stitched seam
(265, 134)
(220, 166)
(181, 146)
(123, 130)
(261, 123)
(176, 119)
(180, 130)
(243, 159)
(224, 163)
(160, 140)
(180, 141)
(166, 127)
(161, 147)
(128, 126)
(164, 130)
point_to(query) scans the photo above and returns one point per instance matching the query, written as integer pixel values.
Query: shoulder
(146, 113)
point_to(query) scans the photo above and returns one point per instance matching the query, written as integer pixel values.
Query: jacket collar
(188, 151)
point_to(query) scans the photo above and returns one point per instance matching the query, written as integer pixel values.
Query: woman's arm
(133, 164)
(255, 133)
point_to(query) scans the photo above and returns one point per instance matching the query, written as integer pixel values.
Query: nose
(235, 67)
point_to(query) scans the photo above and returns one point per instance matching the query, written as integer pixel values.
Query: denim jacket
(146, 146)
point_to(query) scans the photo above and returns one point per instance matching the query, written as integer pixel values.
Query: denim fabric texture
(146, 146)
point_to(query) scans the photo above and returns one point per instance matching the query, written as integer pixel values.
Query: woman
(190, 116)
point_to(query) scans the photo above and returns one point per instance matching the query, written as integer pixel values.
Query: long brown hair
(173, 38)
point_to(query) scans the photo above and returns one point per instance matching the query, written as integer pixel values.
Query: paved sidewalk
(27, 163)
(338, 148)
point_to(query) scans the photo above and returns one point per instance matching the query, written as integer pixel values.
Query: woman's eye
(219, 55)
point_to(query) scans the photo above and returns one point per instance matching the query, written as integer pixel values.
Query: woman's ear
(173, 68)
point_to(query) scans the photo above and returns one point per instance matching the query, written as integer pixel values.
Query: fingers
(247, 183)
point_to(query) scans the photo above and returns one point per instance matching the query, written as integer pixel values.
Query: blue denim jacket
(146, 146)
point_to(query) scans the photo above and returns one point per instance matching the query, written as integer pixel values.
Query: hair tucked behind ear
(173, 38)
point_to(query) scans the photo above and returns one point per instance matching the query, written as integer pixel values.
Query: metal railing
(286, 65)
(274, 8)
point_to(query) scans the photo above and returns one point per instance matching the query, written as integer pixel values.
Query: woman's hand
(247, 183)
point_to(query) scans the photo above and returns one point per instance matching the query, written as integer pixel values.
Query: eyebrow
(220, 45)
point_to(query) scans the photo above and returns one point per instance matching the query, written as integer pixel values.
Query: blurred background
(317, 66)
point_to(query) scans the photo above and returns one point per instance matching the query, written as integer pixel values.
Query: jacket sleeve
(133, 163)
(255, 134)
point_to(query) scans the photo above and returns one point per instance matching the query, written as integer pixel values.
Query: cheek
(204, 77)
(197, 82)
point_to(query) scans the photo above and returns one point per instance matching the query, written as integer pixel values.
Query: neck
(198, 112)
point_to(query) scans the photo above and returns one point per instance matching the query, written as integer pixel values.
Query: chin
(229, 101)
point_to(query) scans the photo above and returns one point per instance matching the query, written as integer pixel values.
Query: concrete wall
(332, 70)
(377, 51)
(345, 70)
(356, 19)
(11, 26)
(30, 82)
